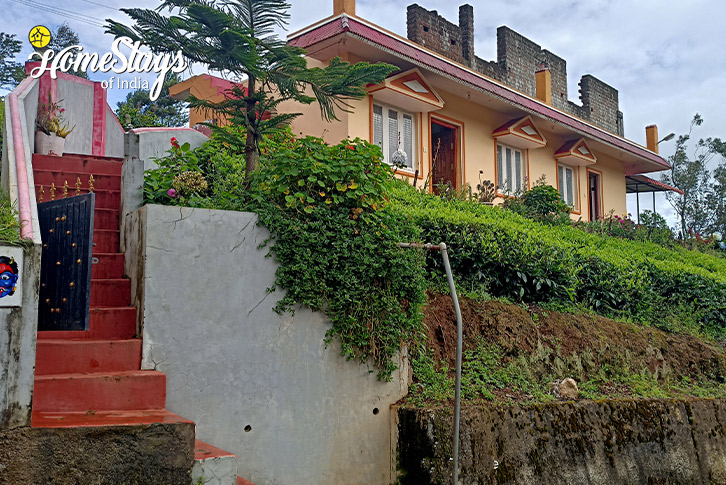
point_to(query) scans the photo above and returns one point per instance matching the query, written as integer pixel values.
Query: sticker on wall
(11, 277)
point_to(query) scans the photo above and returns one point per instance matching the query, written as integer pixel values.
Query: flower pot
(49, 144)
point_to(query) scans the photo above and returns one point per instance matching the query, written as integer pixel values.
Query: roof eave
(371, 34)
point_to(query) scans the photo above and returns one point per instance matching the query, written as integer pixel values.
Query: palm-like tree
(237, 38)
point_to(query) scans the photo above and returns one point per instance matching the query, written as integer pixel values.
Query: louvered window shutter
(408, 139)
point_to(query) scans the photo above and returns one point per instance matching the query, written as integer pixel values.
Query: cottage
(451, 117)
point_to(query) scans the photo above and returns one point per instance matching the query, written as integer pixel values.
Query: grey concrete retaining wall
(17, 347)
(258, 384)
(581, 443)
(154, 454)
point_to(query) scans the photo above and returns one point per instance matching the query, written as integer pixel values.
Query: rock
(567, 389)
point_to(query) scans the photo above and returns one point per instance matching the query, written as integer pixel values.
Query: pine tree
(237, 38)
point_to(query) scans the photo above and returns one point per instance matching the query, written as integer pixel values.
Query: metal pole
(637, 201)
(654, 202)
(459, 338)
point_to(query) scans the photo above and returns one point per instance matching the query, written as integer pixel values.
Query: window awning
(520, 133)
(409, 91)
(575, 152)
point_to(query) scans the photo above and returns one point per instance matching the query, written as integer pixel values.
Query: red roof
(418, 55)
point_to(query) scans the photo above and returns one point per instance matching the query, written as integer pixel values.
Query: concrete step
(106, 241)
(109, 266)
(104, 418)
(60, 177)
(112, 323)
(80, 164)
(213, 466)
(110, 293)
(112, 391)
(63, 356)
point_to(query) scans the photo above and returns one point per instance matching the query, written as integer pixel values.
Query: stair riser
(109, 266)
(79, 165)
(105, 241)
(105, 199)
(99, 393)
(110, 293)
(73, 356)
(100, 182)
(105, 219)
(105, 323)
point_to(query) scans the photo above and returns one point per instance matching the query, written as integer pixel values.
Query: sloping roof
(641, 183)
(403, 48)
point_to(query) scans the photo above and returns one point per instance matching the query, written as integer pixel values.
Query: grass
(9, 222)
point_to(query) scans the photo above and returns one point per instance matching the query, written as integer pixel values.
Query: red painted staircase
(94, 378)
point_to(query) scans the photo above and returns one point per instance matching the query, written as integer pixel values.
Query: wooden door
(444, 153)
(593, 182)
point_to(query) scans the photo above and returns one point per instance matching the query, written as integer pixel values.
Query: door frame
(598, 174)
(459, 162)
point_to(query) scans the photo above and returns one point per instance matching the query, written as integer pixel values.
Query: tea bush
(508, 255)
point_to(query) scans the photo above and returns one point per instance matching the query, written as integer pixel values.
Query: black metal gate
(66, 227)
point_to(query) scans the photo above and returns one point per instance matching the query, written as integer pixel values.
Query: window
(567, 182)
(393, 130)
(511, 176)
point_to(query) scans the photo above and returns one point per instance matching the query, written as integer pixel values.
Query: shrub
(210, 176)
(542, 203)
(336, 243)
(507, 255)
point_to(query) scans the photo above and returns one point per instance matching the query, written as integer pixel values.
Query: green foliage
(507, 255)
(700, 206)
(11, 72)
(138, 110)
(652, 228)
(238, 38)
(336, 244)
(217, 163)
(542, 203)
(9, 222)
(432, 384)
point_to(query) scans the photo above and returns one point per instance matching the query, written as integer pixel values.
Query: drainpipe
(459, 337)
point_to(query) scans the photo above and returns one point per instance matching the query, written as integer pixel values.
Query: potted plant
(50, 137)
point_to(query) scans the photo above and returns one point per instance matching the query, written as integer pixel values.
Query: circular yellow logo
(39, 36)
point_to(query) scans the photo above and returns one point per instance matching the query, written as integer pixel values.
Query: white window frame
(507, 169)
(383, 138)
(565, 194)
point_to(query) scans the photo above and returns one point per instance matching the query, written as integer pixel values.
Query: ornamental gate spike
(90, 184)
(78, 186)
(41, 193)
(52, 191)
(65, 189)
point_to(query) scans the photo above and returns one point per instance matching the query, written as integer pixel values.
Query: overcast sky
(666, 59)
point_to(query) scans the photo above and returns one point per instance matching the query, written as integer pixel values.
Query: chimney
(344, 6)
(543, 78)
(651, 138)
(466, 27)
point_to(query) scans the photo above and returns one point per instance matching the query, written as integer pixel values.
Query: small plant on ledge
(51, 132)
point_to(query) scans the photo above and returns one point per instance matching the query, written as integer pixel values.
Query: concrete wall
(114, 135)
(17, 347)
(141, 147)
(647, 441)
(258, 384)
(77, 99)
